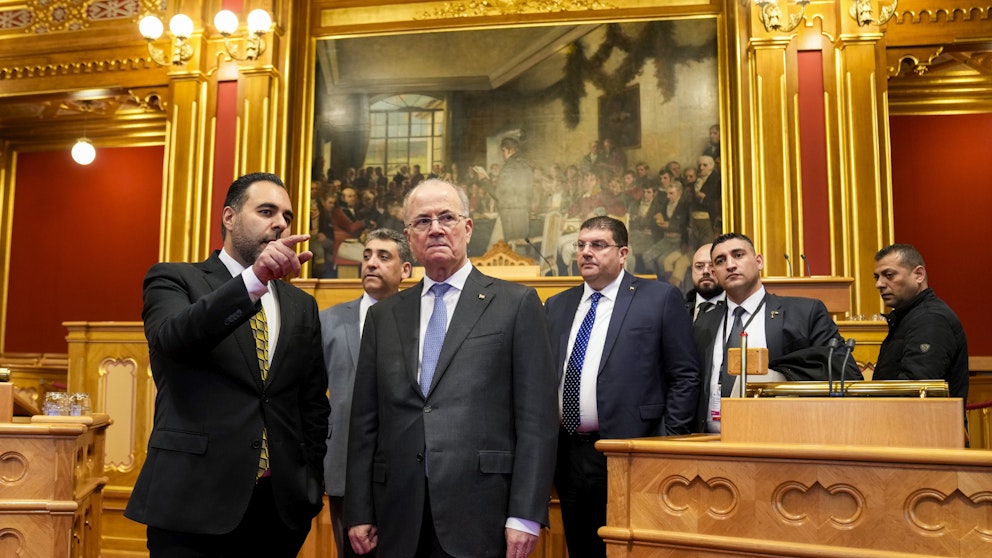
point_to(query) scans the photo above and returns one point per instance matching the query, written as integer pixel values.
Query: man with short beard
(706, 293)
(235, 456)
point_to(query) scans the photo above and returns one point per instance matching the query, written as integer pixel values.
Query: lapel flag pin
(774, 313)
(482, 297)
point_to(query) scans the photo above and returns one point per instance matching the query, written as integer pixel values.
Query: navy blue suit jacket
(648, 377)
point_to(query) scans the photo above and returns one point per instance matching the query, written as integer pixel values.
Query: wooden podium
(51, 486)
(823, 479)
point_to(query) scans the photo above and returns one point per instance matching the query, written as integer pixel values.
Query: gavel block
(757, 361)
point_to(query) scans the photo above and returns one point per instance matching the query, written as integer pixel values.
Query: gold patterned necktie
(260, 331)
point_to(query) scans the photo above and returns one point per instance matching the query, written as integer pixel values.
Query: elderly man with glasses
(626, 366)
(453, 424)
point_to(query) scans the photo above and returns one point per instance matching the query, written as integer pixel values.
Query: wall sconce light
(181, 27)
(259, 23)
(862, 13)
(771, 15)
(83, 151)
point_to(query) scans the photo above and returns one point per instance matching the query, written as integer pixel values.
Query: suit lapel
(352, 331)
(570, 305)
(625, 295)
(474, 299)
(216, 275)
(774, 321)
(407, 311)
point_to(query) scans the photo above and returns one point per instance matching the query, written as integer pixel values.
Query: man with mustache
(453, 423)
(925, 340)
(235, 457)
(783, 324)
(386, 262)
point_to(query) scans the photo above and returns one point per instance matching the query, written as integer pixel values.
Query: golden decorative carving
(862, 12)
(118, 394)
(945, 14)
(13, 467)
(56, 15)
(918, 59)
(70, 68)
(480, 8)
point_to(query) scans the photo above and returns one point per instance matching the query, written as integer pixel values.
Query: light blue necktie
(573, 372)
(434, 337)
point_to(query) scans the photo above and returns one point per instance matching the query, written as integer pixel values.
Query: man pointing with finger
(235, 456)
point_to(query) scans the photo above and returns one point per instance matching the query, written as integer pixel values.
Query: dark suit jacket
(211, 404)
(791, 324)
(489, 422)
(339, 329)
(648, 376)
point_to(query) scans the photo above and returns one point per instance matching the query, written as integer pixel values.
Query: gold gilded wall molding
(74, 68)
(479, 8)
(916, 60)
(923, 22)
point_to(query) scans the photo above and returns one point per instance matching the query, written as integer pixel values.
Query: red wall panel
(82, 240)
(942, 204)
(813, 162)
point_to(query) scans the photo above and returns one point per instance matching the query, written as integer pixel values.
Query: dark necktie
(260, 331)
(573, 372)
(733, 342)
(434, 337)
(702, 308)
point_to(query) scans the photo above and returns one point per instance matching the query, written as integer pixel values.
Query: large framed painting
(543, 125)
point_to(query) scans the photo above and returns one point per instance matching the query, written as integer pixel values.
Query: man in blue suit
(386, 262)
(626, 368)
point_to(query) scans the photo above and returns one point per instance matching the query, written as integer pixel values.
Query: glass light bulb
(151, 27)
(226, 22)
(181, 26)
(259, 21)
(83, 152)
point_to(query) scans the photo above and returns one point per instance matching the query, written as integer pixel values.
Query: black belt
(587, 437)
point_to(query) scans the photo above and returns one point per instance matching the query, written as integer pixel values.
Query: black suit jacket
(211, 403)
(791, 324)
(648, 377)
(487, 428)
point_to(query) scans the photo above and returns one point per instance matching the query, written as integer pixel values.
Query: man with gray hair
(925, 340)
(386, 262)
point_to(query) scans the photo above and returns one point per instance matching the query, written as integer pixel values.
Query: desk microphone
(787, 259)
(850, 348)
(551, 268)
(809, 272)
(831, 345)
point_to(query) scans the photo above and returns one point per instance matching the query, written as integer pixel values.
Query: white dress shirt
(588, 407)
(755, 338)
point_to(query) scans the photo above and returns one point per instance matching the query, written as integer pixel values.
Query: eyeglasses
(446, 220)
(595, 246)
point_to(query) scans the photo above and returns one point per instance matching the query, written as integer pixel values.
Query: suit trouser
(429, 545)
(580, 479)
(260, 533)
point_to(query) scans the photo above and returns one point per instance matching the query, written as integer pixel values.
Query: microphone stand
(809, 271)
(831, 345)
(551, 268)
(850, 348)
(789, 261)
